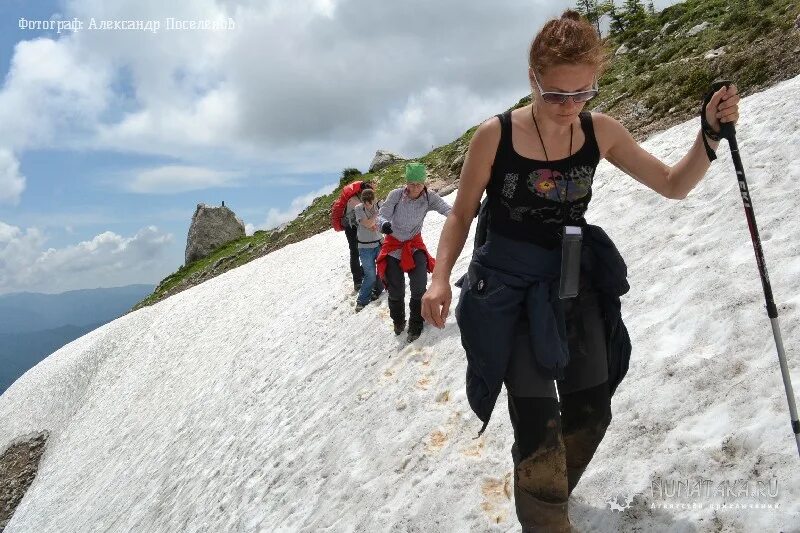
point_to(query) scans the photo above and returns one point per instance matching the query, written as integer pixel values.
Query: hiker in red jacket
(403, 251)
(343, 218)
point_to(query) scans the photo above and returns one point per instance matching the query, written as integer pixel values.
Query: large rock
(211, 228)
(383, 159)
(697, 29)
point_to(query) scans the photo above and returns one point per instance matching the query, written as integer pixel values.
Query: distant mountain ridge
(19, 352)
(25, 312)
(34, 325)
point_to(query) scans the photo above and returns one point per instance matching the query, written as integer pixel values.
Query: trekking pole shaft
(787, 381)
(772, 309)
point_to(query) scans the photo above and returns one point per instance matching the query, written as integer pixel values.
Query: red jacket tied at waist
(390, 244)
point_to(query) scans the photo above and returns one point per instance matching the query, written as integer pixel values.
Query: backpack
(340, 204)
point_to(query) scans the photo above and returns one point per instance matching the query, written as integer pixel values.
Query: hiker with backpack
(370, 240)
(539, 309)
(343, 219)
(404, 251)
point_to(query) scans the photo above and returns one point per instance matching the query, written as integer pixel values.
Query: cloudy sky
(109, 137)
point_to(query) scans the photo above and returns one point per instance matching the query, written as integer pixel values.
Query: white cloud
(308, 85)
(276, 217)
(51, 93)
(107, 259)
(312, 84)
(176, 178)
(12, 183)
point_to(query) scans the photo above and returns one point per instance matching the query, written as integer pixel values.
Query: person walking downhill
(401, 218)
(369, 244)
(542, 325)
(343, 218)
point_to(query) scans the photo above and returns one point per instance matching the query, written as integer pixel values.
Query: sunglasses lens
(584, 96)
(554, 98)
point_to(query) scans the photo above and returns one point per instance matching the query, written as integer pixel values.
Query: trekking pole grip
(727, 130)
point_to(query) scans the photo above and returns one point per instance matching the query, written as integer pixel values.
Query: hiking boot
(415, 322)
(359, 307)
(414, 331)
(397, 312)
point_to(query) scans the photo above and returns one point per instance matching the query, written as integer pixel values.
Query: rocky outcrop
(211, 228)
(19, 464)
(383, 159)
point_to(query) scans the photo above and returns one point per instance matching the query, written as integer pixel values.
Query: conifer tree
(590, 10)
(616, 23)
(634, 13)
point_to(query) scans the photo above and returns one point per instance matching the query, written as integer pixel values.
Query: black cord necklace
(566, 187)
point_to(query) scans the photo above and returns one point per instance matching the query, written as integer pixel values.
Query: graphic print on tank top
(510, 184)
(554, 186)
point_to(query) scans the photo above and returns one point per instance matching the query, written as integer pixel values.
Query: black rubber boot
(397, 311)
(415, 322)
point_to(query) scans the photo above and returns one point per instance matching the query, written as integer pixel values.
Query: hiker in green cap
(403, 250)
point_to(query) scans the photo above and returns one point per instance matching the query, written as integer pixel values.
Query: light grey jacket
(407, 215)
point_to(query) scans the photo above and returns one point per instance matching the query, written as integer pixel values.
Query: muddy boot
(580, 447)
(540, 487)
(415, 322)
(397, 311)
(585, 418)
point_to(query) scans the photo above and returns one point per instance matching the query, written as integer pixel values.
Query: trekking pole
(728, 131)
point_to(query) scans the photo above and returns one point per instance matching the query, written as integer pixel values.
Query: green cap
(415, 173)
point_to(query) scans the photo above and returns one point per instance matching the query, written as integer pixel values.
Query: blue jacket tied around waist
(507, 278)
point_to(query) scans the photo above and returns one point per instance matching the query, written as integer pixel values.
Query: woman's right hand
(436, 303)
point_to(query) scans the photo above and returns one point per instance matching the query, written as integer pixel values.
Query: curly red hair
(570, 39)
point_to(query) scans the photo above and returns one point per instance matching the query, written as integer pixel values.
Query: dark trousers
(351, 233)
(417, 277)
(553, 444)
(396, 285)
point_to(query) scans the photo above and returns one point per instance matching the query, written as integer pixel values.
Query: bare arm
(621, 150)
(475, 175)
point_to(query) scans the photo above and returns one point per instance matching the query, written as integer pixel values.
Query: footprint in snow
(436, 441)
(497, 498)
(476, 449)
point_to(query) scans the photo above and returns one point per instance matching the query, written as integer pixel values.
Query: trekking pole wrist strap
(712, 155)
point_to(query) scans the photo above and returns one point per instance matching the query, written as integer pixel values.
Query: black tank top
(525, 195)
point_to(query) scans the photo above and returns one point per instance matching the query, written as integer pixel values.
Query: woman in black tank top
(537, 166)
